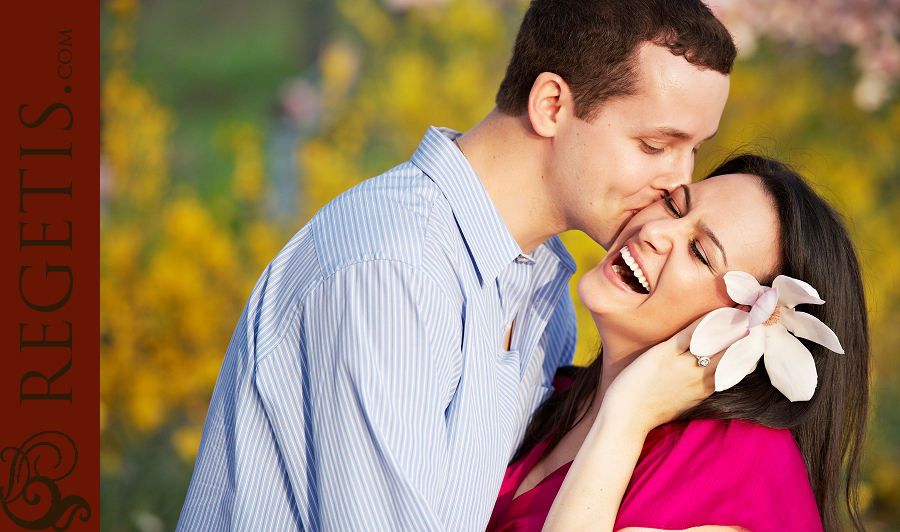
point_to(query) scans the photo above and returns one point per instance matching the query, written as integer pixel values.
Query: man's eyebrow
(672, 132)
(667, 131)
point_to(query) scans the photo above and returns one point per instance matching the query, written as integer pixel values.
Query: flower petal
(793, 292)
(808, 326)
(718, 330)
(742, 287)
(790, 366)
(740, 359)
(764, 307)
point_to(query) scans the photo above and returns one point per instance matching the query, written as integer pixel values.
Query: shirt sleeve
(356, 400)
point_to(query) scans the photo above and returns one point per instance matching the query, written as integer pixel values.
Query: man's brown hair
(592, 45)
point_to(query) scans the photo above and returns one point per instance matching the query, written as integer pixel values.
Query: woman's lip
(615, 279)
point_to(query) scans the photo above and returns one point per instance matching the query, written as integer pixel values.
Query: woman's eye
(670, 205)
(696, 250)
(650, 149)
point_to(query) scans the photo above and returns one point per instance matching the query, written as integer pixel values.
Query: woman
(746, 458)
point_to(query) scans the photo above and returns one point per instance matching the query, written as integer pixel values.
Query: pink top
(705, 472)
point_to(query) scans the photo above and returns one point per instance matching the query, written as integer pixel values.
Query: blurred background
(226, 124)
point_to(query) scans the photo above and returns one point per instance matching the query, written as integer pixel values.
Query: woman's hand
(659, 385)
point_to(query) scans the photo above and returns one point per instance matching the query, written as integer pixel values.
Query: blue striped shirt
(366, 386)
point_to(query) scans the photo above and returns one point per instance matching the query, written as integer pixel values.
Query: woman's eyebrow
(703, 227)
(712, 236)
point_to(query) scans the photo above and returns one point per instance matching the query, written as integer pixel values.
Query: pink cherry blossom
(765, 332)
(871, 28)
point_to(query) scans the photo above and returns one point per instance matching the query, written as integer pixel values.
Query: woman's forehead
(741, 214)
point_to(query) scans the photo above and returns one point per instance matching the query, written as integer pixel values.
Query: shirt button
(522, 260)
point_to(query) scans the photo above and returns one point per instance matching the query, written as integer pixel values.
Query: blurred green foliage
(227, 124)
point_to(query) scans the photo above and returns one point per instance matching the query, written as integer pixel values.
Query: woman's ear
(549, 103)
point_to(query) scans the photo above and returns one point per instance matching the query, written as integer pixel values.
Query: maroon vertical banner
(49, 271)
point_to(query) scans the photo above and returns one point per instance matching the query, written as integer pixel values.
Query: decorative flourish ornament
(765, 332)
(32, 498)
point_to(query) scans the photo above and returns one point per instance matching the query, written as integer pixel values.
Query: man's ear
(550, 101)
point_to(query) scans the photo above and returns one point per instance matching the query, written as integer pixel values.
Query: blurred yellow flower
(146, 404)
(339, 63)
(186, 441)
(244, 141)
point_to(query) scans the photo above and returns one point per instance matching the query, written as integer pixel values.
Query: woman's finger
(682, 339)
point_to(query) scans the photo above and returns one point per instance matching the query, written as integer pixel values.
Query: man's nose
(680, 174)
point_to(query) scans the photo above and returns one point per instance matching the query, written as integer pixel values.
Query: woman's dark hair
(830, 427)
(592, 45)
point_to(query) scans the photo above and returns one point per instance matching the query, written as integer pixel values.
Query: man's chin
(603, 239)
(607, 242)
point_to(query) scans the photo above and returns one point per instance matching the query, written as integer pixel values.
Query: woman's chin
(596, 292)
(627, 336)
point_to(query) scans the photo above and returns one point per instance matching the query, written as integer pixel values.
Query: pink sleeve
(729, 473)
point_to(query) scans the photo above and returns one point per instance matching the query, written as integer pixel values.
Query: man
(390, 356)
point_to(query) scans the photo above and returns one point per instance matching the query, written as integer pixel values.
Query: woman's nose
(660, 235)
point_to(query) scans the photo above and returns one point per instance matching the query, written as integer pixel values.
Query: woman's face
(681, 247)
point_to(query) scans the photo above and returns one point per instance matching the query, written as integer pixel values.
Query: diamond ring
(702, 361)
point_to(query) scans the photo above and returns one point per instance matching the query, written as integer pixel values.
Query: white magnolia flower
(764, 332)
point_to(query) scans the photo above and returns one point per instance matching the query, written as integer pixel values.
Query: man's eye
(650, 149)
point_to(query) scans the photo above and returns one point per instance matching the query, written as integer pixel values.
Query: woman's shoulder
(720, 472)
(733, 451)
(742, 446)
(737, 438)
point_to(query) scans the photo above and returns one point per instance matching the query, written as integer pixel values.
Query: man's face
(606, 170)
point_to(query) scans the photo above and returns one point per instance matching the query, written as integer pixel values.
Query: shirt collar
(490, 242)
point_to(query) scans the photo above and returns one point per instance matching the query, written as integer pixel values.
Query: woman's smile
(625, 266)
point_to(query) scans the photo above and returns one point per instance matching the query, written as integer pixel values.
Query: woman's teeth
(635, 269)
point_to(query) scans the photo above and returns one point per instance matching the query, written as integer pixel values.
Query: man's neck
(508, 157)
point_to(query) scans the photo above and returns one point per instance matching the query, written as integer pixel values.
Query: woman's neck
(617, 355)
